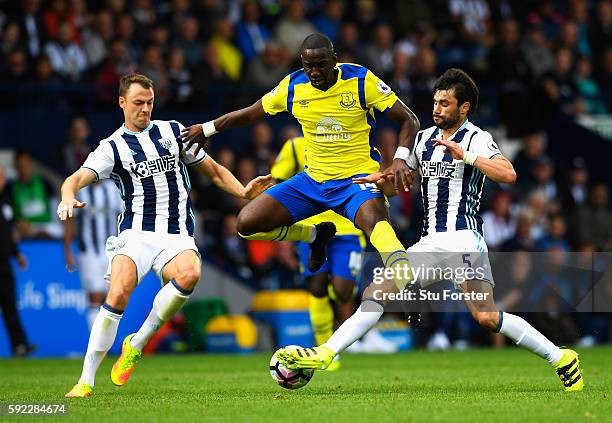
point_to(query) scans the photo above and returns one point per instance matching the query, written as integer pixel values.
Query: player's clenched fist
(64, 210)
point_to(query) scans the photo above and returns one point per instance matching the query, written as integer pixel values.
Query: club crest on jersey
(112, 244)
(152, 167)
(431, 169)
(347, 100)
(166, 143)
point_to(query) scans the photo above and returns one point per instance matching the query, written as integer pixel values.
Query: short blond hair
(133, 78)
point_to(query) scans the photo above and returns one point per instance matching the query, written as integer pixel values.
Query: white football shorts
(149, 250)
(455, 256)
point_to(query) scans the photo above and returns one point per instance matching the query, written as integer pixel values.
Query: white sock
(103, 332)
(92, 313)
(525, 335)
(167, 302)
(355, 326)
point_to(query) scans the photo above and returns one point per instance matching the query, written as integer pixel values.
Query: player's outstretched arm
(409, 126)
(498, 168)
(79, 179)
(224, 179)
(200, 133)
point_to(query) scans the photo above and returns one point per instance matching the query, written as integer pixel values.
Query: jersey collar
(127, 131)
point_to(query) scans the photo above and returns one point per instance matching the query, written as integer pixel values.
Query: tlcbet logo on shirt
(151, 167)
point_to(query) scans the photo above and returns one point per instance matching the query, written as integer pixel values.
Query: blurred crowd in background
(533, 61)
(540, 55)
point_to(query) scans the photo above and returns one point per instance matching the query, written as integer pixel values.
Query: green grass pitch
(509, 385)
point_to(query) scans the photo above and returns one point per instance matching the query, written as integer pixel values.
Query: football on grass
(289, 379)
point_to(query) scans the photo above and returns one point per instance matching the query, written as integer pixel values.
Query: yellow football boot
(124, 366)
(568, 371)
(334, 365)
(306, 358)
(80, 390)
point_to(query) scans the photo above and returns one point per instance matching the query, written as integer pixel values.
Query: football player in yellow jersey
(335, 105)
(337, 278)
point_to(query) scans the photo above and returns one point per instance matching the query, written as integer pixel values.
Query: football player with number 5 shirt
(453, 157)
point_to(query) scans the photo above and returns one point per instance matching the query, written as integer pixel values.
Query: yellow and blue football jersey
(339, 123)
(290, 161)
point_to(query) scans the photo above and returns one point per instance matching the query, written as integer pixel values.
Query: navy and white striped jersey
(451, 189)
(97, 221)
(150, 170)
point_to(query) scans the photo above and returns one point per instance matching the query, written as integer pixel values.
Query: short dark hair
(133, 78)
(317, 40)
(462, 84)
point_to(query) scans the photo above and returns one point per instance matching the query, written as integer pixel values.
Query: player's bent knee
(317, 285)
(188, 277)
(118, 297)
(318, 291)
(245, 225)
(123, 270)
(121, 287)
(487, 319)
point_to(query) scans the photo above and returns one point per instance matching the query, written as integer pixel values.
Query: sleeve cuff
(93, 170)
(197, 161)
(495, 155)
(385, 101)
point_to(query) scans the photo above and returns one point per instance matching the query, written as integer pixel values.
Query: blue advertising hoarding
(53, 307)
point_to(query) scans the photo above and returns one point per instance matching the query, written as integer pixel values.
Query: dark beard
(449, 122)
